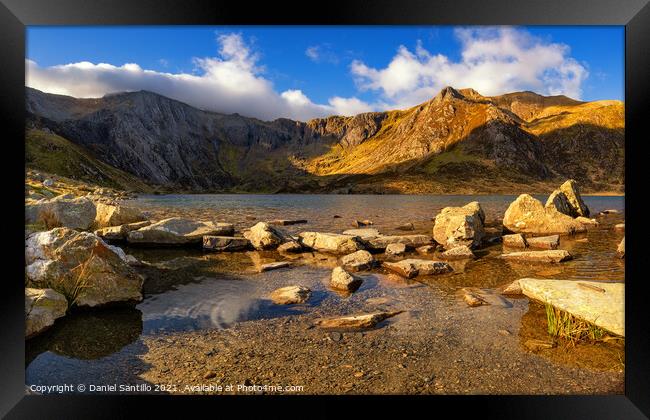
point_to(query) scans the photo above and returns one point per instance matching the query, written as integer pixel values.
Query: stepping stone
(551, 256)
(544, 242)
(274, 265)
(225, 243)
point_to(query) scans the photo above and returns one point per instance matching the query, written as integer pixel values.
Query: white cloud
(231, 82)
(493, 61)
(322, 53)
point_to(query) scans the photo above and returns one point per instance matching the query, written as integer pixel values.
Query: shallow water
(196, 290)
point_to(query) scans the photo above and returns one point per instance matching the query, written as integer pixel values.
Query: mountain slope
(458, 141)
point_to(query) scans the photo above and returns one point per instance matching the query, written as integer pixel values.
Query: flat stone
(396, 249)
(458, 253)
(225, 243)
(290, 295)
(274, 265)
(512, 289)
(406, 226)
(363, 321)
(359, 260)
(536, 345)
(426, 249)
(342, 280)
(544, 242)
(515, 240)
(411, 241)
(290, 246)
(413, 267)
(582, 299)
(178, 231)
(610, 211)
(589, 223)
(364, 233)
(331, 242)
(359, 223)
(551, 256)
(473, 299)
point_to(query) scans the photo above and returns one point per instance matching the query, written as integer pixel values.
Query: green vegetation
(50, 153)
(454, 155)
(564, 325)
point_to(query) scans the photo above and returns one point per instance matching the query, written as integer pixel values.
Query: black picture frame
(633, 14)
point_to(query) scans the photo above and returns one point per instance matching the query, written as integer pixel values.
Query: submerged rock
(364, 233)
(599, 303)
(356, 321)
(290, 246)
(359, 260)
(544, 242)
(457, 226)
(274, 265)
(342, 280)
(527, 215)
(413, 267)
(178, 231)
(82, 266)
(410, 241)
(331, 242)
(458, 253)
(62, 211)
(42, 308)
(473, 299)
(395, 249)
(264, 236)
(406, 226)
(290, 295)
(225, 243)
(110, 215)
(551, 256)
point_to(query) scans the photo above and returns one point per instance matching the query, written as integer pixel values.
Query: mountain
(459, 141)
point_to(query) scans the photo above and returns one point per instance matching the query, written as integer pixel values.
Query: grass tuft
(562, 324)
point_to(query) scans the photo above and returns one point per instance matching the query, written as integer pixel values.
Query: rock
(48, 183)
(210, 375)
(357, 223)
(283, 222)
(119, 233)
(599, 303)
(365, 233)
(178, 231)
(109, 215)
(331, 242)
(42, 308)
(406, 226)
(426, 249)
(620, 226)
(411, 241)
(359, 260)
(473, 299)
(410, 268)
(396, 249)
(290, 246)
(536, 345)
(364, 321)
(558, 201)
(225, 243)
(516, 240)
(264, 236)
(290, 295)
(81, 266)
(621, 248)
(456, 226)
(513, 289)
(336, 216)
(527, 215)
(62, 211)
(544, 242)
(572, 193)
(587, 221)
(274, 265)
(551, 256)
(610, 211)
(342, 280)
(458, 253)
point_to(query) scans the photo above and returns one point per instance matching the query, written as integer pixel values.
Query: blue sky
(305, 72)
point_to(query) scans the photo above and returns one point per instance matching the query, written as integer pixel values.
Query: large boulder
(81, 266)
(42, 308)
(178, 231)
(110, 215)
(331, 242)
(264, 236)
(572, 193)
(527, 215)
(457, 226)
(62, 211)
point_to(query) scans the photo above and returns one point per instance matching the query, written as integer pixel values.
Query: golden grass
(562, 324)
